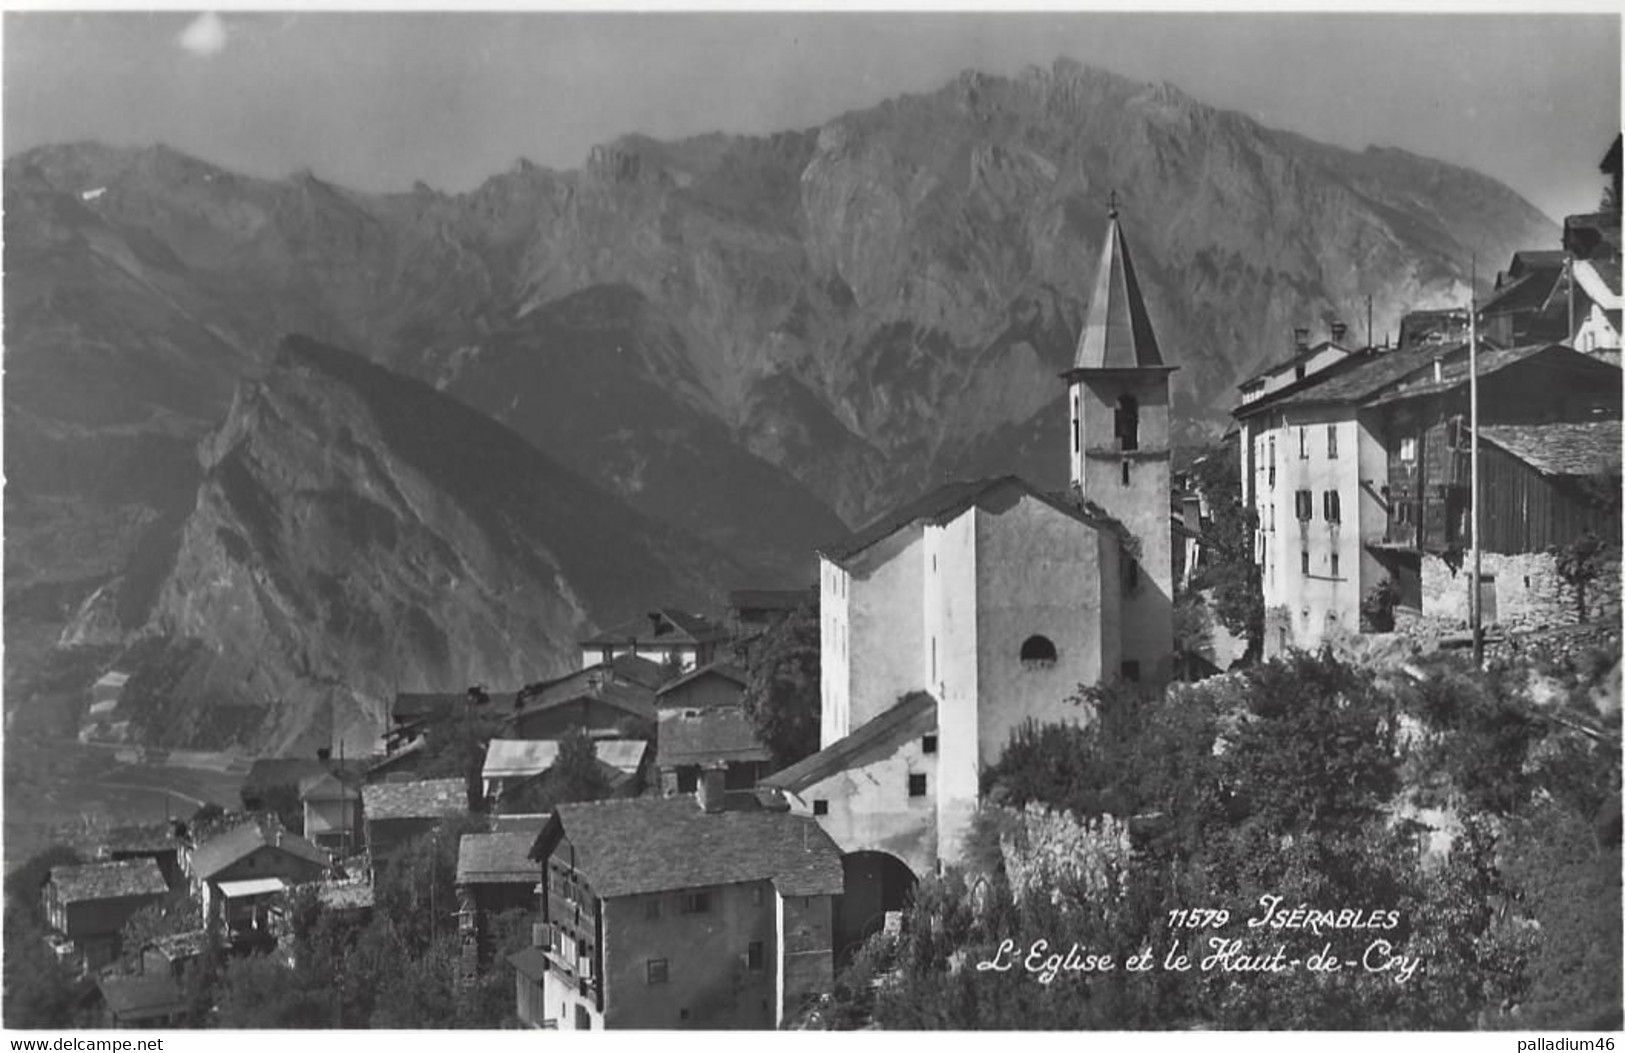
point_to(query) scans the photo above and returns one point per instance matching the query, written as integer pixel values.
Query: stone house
(706, 911)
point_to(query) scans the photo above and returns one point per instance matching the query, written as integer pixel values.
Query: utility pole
(1477, 607)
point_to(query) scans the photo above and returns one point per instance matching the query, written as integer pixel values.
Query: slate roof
(915, 715)
(943, 504)
(115, 880)
(1529, 291)
(664, 625)
(1117, 333)
(1455, 371)
(640, 845)
(1294, 359)
(424, 799)
(638, 670)
(497, 859)
(724, 669)
(152, 994)
(713, 736)
(1582, 448)
(515, 758)
(1355, 383)
(634, 699)
(222, 851)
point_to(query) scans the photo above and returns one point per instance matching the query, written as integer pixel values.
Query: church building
(950, 621)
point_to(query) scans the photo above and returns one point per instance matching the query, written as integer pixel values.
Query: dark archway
(876, 882)
(1038, 649)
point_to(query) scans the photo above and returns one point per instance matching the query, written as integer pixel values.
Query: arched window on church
(1128, 423)
(1037, 650)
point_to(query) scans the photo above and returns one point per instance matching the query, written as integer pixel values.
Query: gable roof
(220, 852)
(722, 669)
(518, 758)
(657, 844)
(632, 698)
(638, 670)
(1360, 379)
(1600, 280)
(1455, 371)
(497, 859)
(1296, 358)
(115, 880)
(329, 786)
(716, 735)
(913, 716)
(666, 626)
(1578, 448)
(947, 502)
(624, 755)
(424, 799)
(1117, 333)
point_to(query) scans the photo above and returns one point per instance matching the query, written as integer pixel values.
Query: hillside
(356, 533)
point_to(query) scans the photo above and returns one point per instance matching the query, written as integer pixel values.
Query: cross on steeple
(1111, 208)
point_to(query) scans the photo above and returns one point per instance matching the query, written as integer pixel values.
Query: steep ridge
(356, 533)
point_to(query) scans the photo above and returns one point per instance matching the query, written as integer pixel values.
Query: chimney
(324, 754)
(711, 793)
(1339, 331)
(1300, 338)
(1438, 371)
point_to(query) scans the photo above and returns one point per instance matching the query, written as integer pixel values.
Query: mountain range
(731, 348)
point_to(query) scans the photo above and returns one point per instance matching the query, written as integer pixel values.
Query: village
(675, 864)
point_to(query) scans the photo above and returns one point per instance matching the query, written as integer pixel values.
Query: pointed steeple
(1117, 334)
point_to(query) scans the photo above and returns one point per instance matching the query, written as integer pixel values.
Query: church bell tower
(1117, 390)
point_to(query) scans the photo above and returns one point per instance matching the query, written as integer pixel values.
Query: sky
(378, 100)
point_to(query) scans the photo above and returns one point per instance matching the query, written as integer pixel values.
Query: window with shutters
(1333, 506)
(1304, 504)
(1331, 442)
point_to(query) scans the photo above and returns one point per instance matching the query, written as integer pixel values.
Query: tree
(40, 991)
(1231, 576)
(782, 688)
(576, 774)
(455, 747)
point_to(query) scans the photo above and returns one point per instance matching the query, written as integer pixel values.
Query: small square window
(696, 903)
(928, 744)
(682, 1014)
(1334, 565)
(1131, 671)
(820, 807)
(916, 785)
(755, 957)
(656, 970)
(651, 910)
